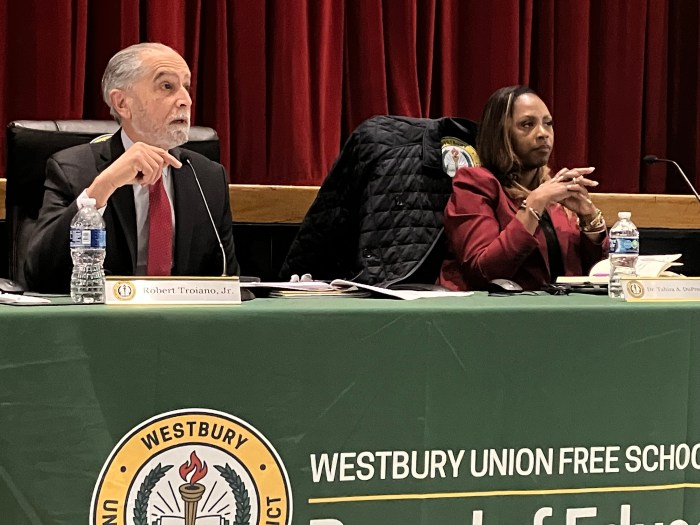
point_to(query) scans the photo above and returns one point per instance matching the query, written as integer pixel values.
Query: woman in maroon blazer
(510, 218)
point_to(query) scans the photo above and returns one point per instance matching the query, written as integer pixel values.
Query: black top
(556, 263)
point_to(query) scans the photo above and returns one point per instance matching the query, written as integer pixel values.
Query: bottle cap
(624, 214)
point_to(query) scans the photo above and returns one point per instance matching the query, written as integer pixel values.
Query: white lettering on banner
(593, 460)
(510, 461)
(396, 465)
(574, 516)
(653, 458)
(455, 462)
(346, 466)
(625, 515)
(540, 515)
(364, 461)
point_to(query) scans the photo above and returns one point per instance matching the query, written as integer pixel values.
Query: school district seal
(193, 467)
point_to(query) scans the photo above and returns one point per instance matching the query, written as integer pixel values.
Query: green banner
(470, 411)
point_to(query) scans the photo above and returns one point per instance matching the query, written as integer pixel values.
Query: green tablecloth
(527, 384)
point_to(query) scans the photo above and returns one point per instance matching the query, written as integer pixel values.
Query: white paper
(287, 285)
(408, 295)
(647, 265)
(341, 284)
(583, 279)
(11, 298)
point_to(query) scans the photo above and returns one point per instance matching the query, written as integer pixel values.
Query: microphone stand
(211, 219)
(653, 159)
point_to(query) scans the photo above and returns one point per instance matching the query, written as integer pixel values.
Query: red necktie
(160, 231)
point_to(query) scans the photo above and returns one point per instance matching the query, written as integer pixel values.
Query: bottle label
(624, 245)
(87, 238)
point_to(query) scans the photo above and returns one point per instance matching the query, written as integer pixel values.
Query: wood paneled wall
(288, 204)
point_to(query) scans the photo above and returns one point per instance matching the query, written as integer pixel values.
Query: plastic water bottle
(87, 248)
(624, 251)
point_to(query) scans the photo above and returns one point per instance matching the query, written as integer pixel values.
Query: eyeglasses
(557, 289)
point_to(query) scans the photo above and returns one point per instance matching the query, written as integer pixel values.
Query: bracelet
(530, 209)
(595, 225)
(537, 215)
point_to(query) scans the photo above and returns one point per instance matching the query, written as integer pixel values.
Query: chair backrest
(29, 145)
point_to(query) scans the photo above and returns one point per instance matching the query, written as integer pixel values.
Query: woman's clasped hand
(569, 187)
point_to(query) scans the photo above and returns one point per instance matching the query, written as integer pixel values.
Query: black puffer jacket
(378, 215)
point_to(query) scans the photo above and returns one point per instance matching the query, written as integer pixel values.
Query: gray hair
(124, 69)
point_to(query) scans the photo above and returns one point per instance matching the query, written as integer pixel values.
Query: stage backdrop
(285, 81)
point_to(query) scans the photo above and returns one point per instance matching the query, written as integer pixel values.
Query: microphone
(186, 158)
(653, 159)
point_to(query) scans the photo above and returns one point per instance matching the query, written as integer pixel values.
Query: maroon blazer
(486, 243)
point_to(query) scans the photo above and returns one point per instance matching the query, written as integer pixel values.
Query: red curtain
(285, 81)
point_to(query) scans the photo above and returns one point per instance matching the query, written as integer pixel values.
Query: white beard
(161, 134)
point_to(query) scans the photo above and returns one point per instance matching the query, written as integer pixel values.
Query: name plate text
(172, 290)
(661, 288)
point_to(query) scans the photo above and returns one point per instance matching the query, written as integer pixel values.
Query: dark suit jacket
(487, 243)
(69, 172)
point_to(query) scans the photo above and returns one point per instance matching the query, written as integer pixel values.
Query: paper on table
(337, 293)
(341, 284)
(286, 285)
(655, 267)
(647, 266)
(583, 279)
(11, 298)
(408, 295)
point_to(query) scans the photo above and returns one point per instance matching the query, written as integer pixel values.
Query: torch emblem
(192, 492)
(226, 503)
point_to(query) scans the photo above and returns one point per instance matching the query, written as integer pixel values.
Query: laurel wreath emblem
(237, 485)
(144, 493)
(240, 493)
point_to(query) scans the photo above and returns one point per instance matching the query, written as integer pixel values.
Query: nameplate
(661, 288)
(172, 290)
